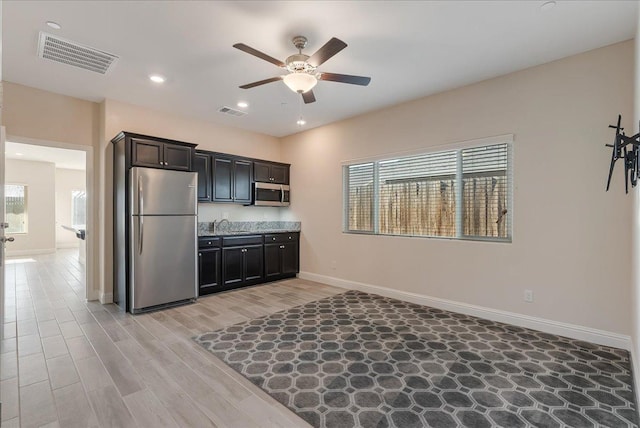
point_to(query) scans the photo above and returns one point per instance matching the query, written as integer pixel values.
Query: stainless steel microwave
(271, 195)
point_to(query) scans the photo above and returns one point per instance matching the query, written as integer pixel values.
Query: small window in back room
(15, 203)
(79, 208)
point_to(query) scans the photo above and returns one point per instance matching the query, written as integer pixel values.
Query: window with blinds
(360, 198)
(462, 194)
(78, 209)
(485, 191)
(15, 205)
(417, 195)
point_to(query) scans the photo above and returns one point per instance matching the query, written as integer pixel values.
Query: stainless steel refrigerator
(163, 238)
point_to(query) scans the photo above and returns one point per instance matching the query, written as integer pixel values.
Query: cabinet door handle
(273, 239)
(281, 246)
(199, 254)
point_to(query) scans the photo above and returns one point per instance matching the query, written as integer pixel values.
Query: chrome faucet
(216, 224)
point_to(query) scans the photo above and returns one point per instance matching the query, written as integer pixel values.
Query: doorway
(49, 208)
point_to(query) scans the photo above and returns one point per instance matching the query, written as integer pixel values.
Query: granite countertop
(247, 228)
(244, 232)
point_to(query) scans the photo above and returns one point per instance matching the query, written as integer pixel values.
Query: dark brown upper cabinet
(229, 178)
(271, 172)
(202, 165)
(232, 179)
(161, 153)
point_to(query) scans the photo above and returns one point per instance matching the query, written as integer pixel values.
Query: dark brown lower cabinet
(281, 255)
(209, 265)
(236, 261)
(242, 265)
(209, 270)
(280, 260)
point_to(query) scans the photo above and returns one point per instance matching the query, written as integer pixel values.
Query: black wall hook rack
(627, 149)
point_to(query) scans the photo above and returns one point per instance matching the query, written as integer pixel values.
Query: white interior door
(3, 226)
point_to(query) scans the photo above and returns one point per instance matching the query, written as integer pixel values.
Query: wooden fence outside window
(428, 207)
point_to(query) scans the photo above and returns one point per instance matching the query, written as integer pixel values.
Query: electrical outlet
(528, 296)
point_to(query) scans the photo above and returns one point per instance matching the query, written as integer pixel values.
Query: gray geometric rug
(358, 359)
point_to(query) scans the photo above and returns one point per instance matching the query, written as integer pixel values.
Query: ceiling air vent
(231, 111)
(67, 52)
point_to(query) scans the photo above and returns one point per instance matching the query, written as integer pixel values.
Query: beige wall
(42, 115)
(39, 177)
(635, 253)
(570, 238)
(67, 180)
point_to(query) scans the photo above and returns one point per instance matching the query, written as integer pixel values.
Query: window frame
(457, 147)
(26, 208)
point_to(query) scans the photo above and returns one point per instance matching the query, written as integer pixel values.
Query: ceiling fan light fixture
(300, 82)
(156, 78)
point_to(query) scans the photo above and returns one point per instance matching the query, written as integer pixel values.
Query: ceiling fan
(303, 74)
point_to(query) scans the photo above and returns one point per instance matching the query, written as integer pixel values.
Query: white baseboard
(106, 298)
(20, 253)
(573, 331)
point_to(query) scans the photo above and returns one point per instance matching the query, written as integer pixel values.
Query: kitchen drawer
(208, 242)
(234, 241)
(281, 237)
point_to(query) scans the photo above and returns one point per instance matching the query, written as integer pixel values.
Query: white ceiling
(62, 158)
(410, 49)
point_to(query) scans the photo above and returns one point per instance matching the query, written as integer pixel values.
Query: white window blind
(462, 194)
(417, 195)
(15, 205)
(486, 191)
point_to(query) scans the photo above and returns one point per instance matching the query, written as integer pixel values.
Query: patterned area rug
(357, 359)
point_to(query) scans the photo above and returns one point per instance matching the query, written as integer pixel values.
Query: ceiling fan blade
(261, 55)
(346, 78)
(261, 82)
(330, 48)
(308, 97)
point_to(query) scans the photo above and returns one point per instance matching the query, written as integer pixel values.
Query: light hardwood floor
(66, 362)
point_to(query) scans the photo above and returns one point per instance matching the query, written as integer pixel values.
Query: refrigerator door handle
(141, 233)
(141, 216)
(140, 197)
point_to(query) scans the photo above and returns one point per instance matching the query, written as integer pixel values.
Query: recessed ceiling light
(54, 25)
(19, 154)
(156, 78)
(301, 122)
(243, 104)
(548, 5)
